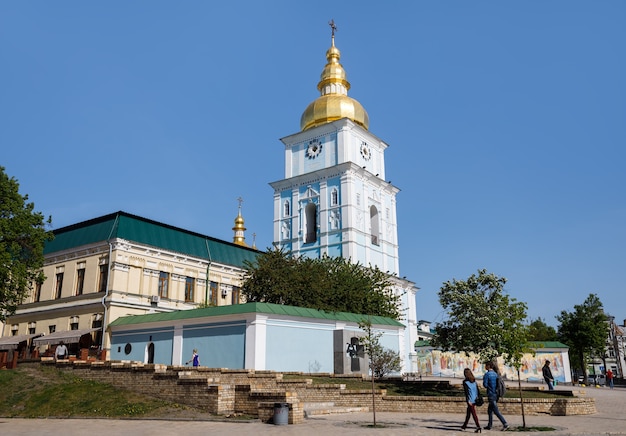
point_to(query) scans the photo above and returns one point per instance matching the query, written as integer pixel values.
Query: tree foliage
(385, 361)
(482, 319)
(22, 238)
(329, 283)
(538, 330)
(585, 331)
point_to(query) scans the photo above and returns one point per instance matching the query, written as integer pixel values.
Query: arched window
(286, 208)
(334, 197)
(310, 213)
(374, 225)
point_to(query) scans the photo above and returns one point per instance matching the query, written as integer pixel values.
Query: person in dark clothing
(195, 359)
(547, 375)
(490, 381)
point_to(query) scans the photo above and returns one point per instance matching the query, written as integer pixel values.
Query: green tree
(329, 283)
(385, 361)
(538, 330)
(585, 331)
(484, 320)
(22, 238)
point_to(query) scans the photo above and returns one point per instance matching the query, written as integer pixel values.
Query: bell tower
(335, 197)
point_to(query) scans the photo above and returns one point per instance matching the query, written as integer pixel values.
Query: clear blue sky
(506, 123)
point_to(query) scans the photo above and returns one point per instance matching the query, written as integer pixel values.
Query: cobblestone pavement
(610, 420)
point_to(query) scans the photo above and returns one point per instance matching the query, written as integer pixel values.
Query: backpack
(500, 387)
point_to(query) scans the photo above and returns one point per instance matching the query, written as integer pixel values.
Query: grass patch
(38, 391)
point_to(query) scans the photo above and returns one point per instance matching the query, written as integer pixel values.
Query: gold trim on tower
(239, 229)
(333, 103)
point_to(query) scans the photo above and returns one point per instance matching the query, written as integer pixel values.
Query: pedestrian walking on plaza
(472, 397)
(547, 375)
(490, 382)
(195, 358)
(609, 377)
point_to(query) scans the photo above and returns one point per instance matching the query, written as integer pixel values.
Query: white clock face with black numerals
(313, 149)
(365, 151)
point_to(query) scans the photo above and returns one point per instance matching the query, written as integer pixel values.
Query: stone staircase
(329, 408)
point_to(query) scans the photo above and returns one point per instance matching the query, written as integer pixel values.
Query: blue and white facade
(257, 336)
(335, 198)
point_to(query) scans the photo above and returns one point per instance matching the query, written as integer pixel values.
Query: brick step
(318, 405)
(319, 409)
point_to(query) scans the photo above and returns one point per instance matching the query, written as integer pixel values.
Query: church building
(118, 265)
(335, 198)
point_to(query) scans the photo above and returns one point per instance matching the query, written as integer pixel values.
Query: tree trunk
(583, 366)
(373, 394)
(521, 398)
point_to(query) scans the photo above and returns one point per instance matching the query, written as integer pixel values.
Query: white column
(256, 343)
(177, 346)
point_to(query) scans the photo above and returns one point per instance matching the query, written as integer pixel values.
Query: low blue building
(260, 336)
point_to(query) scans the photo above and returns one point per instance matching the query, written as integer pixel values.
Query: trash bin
(281, 413)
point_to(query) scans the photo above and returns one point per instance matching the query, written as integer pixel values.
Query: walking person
(547, 375)
(609, 377)
(471, 396)
(490, 382)
(195, 358)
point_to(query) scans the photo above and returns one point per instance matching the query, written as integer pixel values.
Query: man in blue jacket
(490, 382)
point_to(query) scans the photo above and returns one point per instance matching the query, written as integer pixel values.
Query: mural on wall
(449, 364)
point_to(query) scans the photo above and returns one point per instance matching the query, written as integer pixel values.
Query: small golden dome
(333, 103)
(239, 229)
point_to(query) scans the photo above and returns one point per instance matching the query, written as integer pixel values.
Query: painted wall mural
(448, 364)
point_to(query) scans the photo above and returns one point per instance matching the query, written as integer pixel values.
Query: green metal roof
(422, 344)
(547, 344)
(152, 233)
(269, 308)
(88, 232)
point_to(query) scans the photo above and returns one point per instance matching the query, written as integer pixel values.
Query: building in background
(118, 265)
(614, 353)
(424, 331)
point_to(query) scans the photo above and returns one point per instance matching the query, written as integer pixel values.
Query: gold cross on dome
(333, 27)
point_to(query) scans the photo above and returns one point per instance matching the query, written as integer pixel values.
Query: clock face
(365, 151)
(314, 149)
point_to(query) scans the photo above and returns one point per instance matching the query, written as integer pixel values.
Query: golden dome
(239, 228)
(333, 103)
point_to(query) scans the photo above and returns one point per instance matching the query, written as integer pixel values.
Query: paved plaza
(610, 420)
